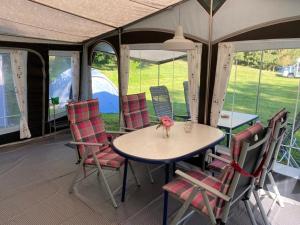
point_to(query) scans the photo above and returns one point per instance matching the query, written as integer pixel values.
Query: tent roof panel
(69, 21)
(113, 13)
(193, 18)
(156, 56)
(239, 15)
(23, 18)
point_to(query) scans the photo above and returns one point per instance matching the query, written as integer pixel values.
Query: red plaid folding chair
(92, 143)
(214, 196)
(277, 125)
(136, 115)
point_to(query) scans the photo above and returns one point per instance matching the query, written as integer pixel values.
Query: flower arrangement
(165, 122)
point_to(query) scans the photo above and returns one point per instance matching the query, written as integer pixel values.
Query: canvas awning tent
(40, 26)
(76, 22)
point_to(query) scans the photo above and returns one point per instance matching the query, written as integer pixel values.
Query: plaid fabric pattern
(87, 126)
(181, 188)
(135, 111)
(108, 158)
(219, 165)
(236, 142)
(244, 135)
(279, 116)
(83, 110)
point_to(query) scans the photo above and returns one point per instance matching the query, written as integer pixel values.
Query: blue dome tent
(106, 92)
(103, 89)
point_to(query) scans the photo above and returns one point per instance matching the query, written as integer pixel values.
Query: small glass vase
(166, 132)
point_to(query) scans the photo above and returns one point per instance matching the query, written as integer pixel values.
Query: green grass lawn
(275, 92)
(142, 80)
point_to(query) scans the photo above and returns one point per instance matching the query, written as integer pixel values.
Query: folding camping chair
(162, 104)
(277, 126)
(213, 196)
(290, 140)
(136, 115)
(92, 143)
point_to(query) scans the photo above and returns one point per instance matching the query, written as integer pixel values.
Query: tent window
(105, 84)
(9, 110)
(158, 67)
(60, 83)
(261, 83)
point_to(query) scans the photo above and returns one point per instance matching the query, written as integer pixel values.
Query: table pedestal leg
(166, 196)
(124, 180)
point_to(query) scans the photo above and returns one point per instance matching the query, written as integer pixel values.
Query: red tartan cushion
(219, 165)
(238, 139)
(83, 110)
(182, 189)
(89, 131)
(107, 158)
(135, 111)
(279, 116)
(236, 147)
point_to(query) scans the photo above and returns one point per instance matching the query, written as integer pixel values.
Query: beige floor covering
(34, 179)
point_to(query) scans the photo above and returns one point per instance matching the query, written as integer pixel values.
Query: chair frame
(88, 151)
(125, 128)
(229, 199)
(100, 168)
(156, 110)
(275, 145)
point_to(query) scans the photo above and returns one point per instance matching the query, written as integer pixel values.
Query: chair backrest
(86, 124)
(277, 125)
(186, 97)
(135, 111)
(161, 101)
(247, 148)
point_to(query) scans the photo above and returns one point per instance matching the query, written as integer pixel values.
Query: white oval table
(148, 145)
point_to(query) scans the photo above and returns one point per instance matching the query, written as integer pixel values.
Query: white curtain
(124, 68)
(19, 74)
(225, 57)
(75, 62)
(194, 70)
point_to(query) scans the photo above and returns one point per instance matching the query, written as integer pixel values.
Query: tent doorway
(105, 83)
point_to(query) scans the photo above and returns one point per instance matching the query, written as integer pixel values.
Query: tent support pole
(158, 73)
(208, 63)
(119, 74)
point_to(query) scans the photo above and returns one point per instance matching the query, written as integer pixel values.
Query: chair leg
(275, 188)
(105, 181)
(81, 165)
(150, 174)
(261, 208)
(184, 207)
(250, 213)
(124, 180)
(134, 175)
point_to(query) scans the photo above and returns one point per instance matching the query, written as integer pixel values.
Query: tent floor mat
(34, 186)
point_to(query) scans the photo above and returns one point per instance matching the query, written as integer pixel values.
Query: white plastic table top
(149, 145)
(235, 119)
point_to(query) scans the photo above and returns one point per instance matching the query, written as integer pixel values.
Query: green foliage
(57, 65)
(271, 58)
(104, 61)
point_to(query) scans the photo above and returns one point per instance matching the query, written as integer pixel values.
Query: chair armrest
(202, 185)
(116, 132)
(87, 143)
(223, 150)
(128, 129)
(219, 158)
